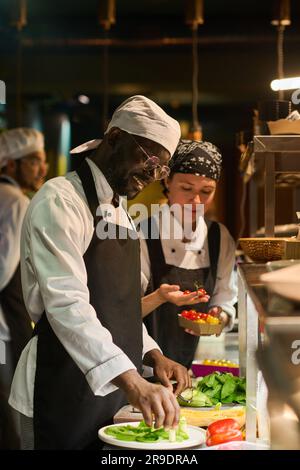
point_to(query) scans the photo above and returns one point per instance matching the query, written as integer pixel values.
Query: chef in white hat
(22, 156)
(83, 291)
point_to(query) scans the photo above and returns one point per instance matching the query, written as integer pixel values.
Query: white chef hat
(141, 116)
(19, 142)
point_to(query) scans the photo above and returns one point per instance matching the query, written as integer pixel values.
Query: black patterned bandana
(197, 157)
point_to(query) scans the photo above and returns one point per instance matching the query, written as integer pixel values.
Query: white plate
(285, 282)
(197, 437)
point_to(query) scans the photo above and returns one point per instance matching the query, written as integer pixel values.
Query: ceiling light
(281, 13)
(83, 99)
(286, 84)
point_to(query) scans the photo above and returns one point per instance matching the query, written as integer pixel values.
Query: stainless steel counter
(269, 328)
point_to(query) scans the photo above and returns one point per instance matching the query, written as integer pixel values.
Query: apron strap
(85, 174)
(214, 238)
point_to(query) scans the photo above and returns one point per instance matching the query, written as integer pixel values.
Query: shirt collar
(10, 180)
(198, 236)
(103, 188)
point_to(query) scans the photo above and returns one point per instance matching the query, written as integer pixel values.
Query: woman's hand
(173, 294)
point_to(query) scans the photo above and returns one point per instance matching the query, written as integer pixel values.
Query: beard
(27, 183)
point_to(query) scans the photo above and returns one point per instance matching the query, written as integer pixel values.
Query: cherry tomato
(201, 292)
(222, 425)
(204, 316)
(185, 313)
(193, 316)
(187, 292)
(220, 438)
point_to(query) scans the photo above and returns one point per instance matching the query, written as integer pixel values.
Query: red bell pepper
(222, 425)
(223, 430)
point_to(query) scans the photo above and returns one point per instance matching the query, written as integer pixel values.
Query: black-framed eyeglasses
(153, 163)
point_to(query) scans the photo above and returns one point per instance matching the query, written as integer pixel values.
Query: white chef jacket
(57, 231)
(13, 205)
(176, 254)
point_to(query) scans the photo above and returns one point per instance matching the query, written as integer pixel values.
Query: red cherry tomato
(204, 316)
(185, 313)
(201, 292)
(187, 292)
(222, 425)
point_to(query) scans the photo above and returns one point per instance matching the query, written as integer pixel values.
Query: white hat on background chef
(141, 116)
(19, 142)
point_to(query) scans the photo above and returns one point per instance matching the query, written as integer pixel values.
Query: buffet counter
(269, 328)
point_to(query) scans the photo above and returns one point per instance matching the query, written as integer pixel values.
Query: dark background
(59, 54)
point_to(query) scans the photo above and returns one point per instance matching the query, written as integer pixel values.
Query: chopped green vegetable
(172, 435)
(144, 433)
(199, 399)
(182, 424)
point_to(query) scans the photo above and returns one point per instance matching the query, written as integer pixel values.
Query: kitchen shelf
(276, 162)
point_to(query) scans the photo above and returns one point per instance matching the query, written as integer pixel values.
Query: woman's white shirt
(179, 254)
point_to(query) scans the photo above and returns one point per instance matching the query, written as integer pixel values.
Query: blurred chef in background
(23, 164)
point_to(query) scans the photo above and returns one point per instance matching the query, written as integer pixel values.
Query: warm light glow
(286, 84)
(83, 99)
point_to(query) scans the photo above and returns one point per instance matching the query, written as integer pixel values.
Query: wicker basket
(262, 250)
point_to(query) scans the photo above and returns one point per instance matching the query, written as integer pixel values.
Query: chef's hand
(152, 400)
(215, 312)
(173, 294)
(165, 370)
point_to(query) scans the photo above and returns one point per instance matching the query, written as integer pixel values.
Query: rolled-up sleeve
(56, 233)
(148, 342)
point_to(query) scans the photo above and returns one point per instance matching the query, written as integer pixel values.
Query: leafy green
(217, 388)
(143, 433)
(223, 388)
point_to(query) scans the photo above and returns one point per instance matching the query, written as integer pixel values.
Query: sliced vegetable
(183, 424)
(144, 433)
(198, 399)
(172, 435)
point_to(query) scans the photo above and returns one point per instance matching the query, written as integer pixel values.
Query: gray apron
(162, 323)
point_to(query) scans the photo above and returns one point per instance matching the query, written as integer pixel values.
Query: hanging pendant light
(106, 18)
(18, 19)
(281, 18)
(18, 14)
(107, 13)
(194, 17)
